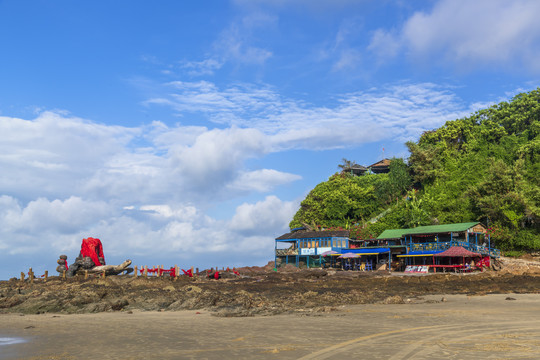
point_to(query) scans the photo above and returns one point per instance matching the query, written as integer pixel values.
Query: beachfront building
(422, 244)
(396, 247)
(304, 248)
(432, 239)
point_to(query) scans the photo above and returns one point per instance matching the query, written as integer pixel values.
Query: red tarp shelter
(458, 251)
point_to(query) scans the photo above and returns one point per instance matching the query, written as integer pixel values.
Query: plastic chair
(369, 266)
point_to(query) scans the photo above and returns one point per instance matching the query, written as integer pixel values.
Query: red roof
(458, 251)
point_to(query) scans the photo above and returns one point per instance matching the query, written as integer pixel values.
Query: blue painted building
(301, 247)
(304, 248)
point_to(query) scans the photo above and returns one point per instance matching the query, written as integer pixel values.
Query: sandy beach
(499, 326)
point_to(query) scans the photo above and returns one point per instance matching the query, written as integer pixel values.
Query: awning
(458, 251)
(374, 251)
(421, 253)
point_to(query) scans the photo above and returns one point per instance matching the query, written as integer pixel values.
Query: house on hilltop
(380, 167)
(354, 169)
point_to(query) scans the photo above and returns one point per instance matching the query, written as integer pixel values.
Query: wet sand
(462, 327)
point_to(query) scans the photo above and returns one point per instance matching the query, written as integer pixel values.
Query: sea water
(10, 341)
(6, 351)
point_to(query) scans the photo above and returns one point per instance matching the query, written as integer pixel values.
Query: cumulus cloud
(466, 33)
(56, 157)
(269, 215)
(262, 180)
(39, 156)
(143, 190)
(217, 154)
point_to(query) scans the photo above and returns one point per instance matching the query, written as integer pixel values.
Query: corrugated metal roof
(314, 234)
(430, 229)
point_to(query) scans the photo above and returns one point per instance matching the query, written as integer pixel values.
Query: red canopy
(458, 251)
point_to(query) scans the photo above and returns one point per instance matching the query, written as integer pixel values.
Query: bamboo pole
(145, 271)
(64, 274)
(22, 276)
(46, 275)
(85, 274)
(104, 274)
(31, 275)
(135, 271)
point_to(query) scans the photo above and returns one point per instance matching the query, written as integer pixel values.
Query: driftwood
(111, 269)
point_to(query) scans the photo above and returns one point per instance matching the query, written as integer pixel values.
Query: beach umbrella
(348, 255)
(329, 252)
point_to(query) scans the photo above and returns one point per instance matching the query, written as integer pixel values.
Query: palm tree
(347, 164)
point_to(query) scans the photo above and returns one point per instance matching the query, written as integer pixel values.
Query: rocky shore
(257, 290)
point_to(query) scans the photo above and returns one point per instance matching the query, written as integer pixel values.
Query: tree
(347, 164)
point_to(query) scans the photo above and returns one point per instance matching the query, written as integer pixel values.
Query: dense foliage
(346, 200)
(481, 168)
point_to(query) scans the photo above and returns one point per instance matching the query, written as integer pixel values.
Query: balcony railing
(441, 246)
(284, 252)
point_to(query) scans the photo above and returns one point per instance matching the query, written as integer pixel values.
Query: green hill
(484, 167)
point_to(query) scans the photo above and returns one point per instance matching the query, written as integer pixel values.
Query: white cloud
(400, 112)
(48, 228)
(42, 157)
(217, 154)
(384, 44)
(143, 191)
(262, 180)
(57, 157)
(468, 33)
(270, 215)
(236, 43)
(204, 67)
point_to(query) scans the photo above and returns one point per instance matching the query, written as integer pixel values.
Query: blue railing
(441, 246)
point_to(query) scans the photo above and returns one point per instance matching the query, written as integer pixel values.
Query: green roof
(430, 229)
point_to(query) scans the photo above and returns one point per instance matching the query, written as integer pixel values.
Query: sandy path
(490, 327)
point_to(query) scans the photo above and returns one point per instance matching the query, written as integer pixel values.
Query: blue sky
(188, 132)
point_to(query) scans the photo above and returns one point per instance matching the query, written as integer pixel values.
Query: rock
(119, 304)
(396, 299)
